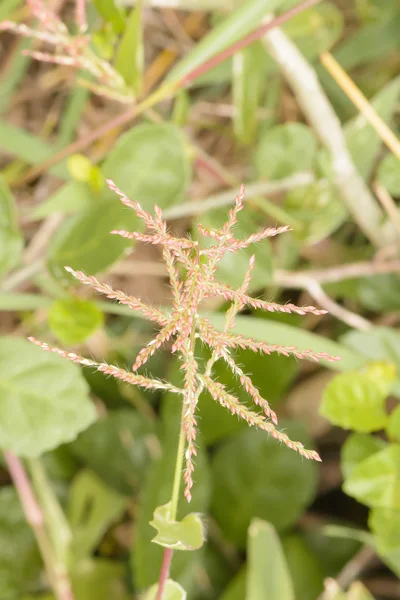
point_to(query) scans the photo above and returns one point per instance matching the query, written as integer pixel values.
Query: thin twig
(227, 198)
(350, 571)
(318, 110)
(341, 272)
(319, 295)
(360, 101)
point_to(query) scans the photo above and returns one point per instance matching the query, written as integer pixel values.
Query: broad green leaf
(284, 150)
(130, 54)
(357, 591)
(27, 147)
(118, 449)
(243, 464)
(363, 141)
(172, 591)
(356, 400)
(73, 320)
(11, 241)
(319, 208)
(72, 197)
(380, 292)
(267, 572)
(156, 491)
(99, 579)
(385, 525)
(248, 83)
(19, 556)
(7, 7)
(112, 13)
(389, 174)
(92, 508)
(84, 242)
(305, 567)
(243, 20)
(380, 344)
(43, 399)
(376, 480)
(150, 164)
(357, 448)
(187, 534)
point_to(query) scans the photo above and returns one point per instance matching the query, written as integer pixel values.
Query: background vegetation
(142, 96)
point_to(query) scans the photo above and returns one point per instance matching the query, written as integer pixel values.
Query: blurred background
(307, 117)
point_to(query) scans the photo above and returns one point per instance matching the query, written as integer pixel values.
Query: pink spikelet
(192, 272)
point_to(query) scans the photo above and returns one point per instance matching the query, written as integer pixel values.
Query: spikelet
(192, 271)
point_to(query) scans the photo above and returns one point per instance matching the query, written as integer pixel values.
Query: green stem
(178, 470)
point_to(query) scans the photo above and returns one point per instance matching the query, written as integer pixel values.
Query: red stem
(164, 573)
(246, 41)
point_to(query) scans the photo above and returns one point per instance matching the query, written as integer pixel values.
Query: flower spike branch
(192, 271)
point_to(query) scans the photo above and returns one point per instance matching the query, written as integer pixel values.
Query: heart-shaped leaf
(172, 591)
(187, 534)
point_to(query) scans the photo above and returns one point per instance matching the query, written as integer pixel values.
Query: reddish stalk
(34, 517)
(251, 37)
(164, 573)
(80, 144)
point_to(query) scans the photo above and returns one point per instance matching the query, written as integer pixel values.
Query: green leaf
(118, 449)
(389, 174)
(111, 13)
(356, 400)
(319, 208)
(43, 399)
(92, 508)
(357, 448)
(363, 141)
(380, 344)
(27, 147)
(11, 241)
(172, 591)
(380, 292)
(68, 199)
(248, 83)
(129, 60)
(84, 242)
(315, 30)
(16, 301)
(150, 164)
(73, 320)
(19, 556)
(157, 488)
(187, 534)
(305, 567)
(242, 466)
(284, 150)
(376, 480)
(385, 524)
(240, 22)
(267, 573)
(99, 579)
